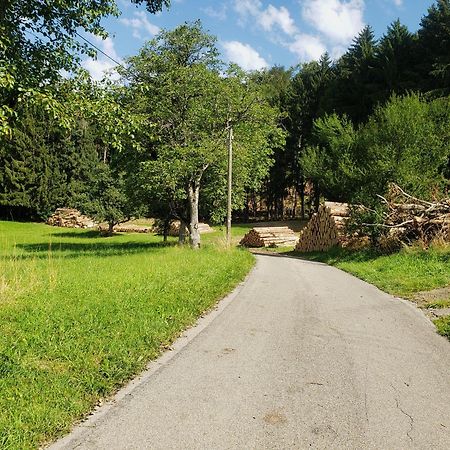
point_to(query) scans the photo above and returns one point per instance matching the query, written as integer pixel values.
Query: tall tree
(354, 91)
(308, 102)
(434, 43)
(396, 60)
(177, 79)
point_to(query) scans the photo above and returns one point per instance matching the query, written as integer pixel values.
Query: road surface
(301, 356)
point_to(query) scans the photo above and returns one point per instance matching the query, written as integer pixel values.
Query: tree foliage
(177, 79)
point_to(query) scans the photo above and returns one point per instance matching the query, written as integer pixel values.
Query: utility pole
(230, 178)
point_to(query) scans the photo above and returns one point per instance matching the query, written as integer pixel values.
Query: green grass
(443, 326)
(405, 273)
(81, 314)
(438, 304)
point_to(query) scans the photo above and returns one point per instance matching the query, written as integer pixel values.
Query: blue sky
(259, 33)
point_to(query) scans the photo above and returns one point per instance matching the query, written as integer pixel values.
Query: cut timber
(269, 237)
(70, 218)
(324, 229)
(175, 228)
(338, 209)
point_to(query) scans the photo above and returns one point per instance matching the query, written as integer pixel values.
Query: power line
(100, 50)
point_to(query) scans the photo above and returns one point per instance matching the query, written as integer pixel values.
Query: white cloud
(216, 13)
(140, 25)
(266, 18)
(247, 8)
(339, 20)
(398, 3)
(99, 66)
(244, 55)
(277, 16)
(307, 47)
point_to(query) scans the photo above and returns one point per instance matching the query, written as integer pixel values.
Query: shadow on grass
(90, 234)
(339, 255)
(76, 250)
(334, 255)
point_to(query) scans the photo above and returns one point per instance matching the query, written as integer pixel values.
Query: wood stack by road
(325, 228)
(70, 218)
(269, 237)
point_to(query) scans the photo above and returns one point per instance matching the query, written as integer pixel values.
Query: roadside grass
(443, 326)
(438, 304)
(81, 314)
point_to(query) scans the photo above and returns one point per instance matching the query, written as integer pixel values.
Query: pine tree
(396, 60)
(434, 44)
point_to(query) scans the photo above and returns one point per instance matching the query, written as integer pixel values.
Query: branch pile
(269, 237)
(325, 228)
(409, 218)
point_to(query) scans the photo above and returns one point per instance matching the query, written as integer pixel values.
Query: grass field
(404, 274)
(81, 314)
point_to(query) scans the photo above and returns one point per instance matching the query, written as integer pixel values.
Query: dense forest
(154, 141)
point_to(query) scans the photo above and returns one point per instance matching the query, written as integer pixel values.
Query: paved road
(303, 356)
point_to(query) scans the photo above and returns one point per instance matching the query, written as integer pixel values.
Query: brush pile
(409, 219)
(70, 218)
(325, 228)
(269, 237)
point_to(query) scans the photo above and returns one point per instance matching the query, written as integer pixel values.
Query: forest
(152, 140)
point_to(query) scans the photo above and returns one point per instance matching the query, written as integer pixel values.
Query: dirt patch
(425, 297)
(274, 418)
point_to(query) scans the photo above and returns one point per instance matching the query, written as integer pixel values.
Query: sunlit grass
(81, 314)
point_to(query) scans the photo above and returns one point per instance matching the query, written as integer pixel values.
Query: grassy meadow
(81, 314)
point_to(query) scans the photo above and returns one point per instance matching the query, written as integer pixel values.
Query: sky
(258, 34)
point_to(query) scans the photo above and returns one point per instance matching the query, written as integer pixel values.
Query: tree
(277, 85)
(434, 42)
(396, 61)
(308, 102)
(40, 38)
(177, 80)
(404, 141)
(354, 91)
(44, 166)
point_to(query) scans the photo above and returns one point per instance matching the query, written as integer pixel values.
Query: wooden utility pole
(230, 178)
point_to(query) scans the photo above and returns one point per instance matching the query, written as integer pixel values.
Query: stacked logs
(325, 228)
(175, 228)
(126, 228)
(70, 218)
(269, 237)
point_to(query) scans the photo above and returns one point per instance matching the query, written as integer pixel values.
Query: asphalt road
(301, 356)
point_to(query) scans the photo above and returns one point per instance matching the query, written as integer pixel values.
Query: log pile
(325, 228)
(70, 218)
(408, 218)
(127, 228)
(175, 228)
(269, 237)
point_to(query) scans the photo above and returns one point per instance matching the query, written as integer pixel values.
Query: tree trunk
(316, 196)
(110, 228)
(182, 232)
(294, 207)
(166, 229)
(302, 198)
(194, 238)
